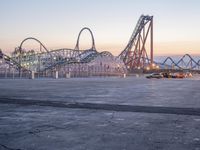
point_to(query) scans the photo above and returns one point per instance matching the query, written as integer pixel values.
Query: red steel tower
(140, 46)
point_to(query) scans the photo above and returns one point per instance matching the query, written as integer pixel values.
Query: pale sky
(57, 23)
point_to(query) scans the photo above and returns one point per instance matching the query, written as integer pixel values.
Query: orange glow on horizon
(160, 48)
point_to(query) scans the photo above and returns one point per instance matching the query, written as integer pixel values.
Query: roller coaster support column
(56, 74)
(32, 75)
(152, 41)
(20, 69)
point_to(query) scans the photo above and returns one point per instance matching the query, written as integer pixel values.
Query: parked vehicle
(180, 75)
(154, 75)
(167, 75)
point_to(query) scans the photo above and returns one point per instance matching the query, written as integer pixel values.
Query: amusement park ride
(137, 55)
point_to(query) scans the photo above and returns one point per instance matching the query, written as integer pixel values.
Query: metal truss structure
(186, 62)
(138, 54)
(135, 54)
(7, 61)
(46, 61)
(9, 65)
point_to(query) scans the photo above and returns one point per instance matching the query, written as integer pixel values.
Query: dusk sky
(57, 23)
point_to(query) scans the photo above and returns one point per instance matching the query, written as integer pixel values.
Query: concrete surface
(42, 127)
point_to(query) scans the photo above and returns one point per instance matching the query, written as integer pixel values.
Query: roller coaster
(186, 62)
(64, 60)
(137, 55)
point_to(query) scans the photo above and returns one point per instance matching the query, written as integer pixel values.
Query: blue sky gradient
(57, 23)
